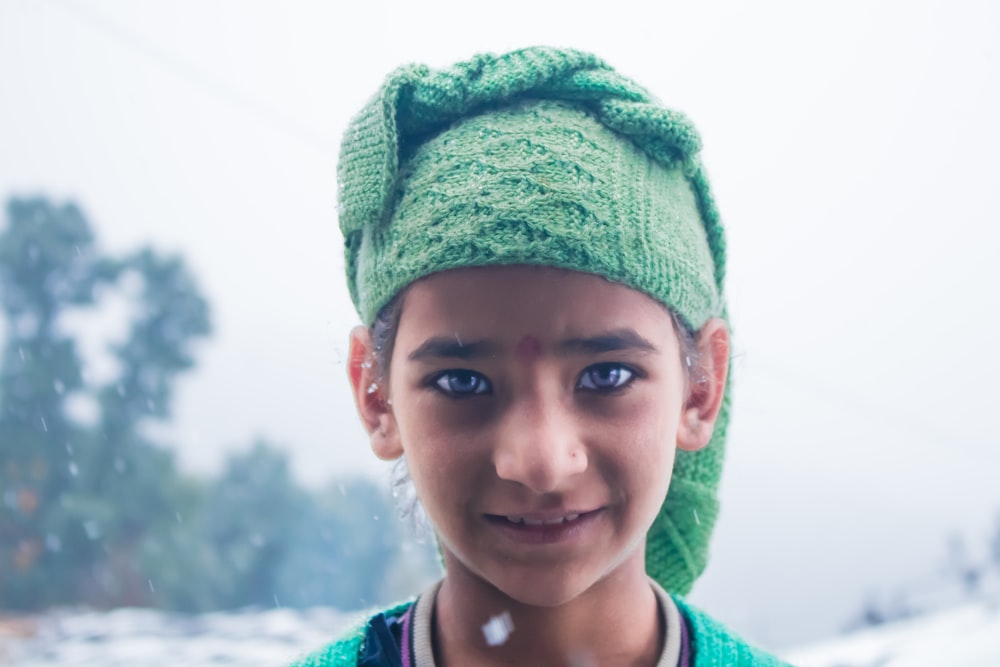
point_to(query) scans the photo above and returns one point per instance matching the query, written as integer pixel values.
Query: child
(534, 246)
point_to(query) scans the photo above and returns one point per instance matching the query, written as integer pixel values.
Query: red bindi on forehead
(528, 349)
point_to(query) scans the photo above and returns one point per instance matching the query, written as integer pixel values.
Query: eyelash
(445, 381)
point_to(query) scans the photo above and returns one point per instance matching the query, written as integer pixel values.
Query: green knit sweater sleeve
(713, 645)
(341, 653)
(344, 651)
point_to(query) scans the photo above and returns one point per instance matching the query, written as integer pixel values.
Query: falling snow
(92, 529)
(498, 629)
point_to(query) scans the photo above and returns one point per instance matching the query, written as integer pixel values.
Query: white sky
(853, 150)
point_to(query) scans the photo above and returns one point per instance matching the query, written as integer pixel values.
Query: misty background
(853, 153)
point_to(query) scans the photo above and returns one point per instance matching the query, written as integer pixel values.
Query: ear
(371, 397)
(705, 394)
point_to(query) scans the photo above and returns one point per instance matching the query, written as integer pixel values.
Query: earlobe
(708, 388)
(386, 444)
(370, 397)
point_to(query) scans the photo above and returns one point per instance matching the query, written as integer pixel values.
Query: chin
(536, 589)
(545, 599)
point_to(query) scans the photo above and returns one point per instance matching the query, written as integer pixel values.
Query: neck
(615, 622)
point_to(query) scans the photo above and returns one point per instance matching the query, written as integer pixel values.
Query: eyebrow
(612, 341)
(451, 348)
(619, 340)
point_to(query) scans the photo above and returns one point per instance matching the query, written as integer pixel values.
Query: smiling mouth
(538, 520)
(544, 529)
(526, 521)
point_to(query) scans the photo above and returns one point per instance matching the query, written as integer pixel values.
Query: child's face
(523, 395)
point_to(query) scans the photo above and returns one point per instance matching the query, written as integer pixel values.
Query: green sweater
(712, 645)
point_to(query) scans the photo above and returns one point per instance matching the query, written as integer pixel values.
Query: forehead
(518, 301)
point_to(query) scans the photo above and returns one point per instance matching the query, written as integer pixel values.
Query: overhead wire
(141, 47)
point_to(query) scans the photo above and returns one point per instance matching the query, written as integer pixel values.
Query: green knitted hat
(547, 157)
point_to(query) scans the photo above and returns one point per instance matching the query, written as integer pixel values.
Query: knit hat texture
(546, 157)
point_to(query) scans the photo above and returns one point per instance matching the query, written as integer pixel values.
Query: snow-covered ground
(965, 636)
(155, 639)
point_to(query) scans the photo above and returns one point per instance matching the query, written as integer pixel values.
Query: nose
(539, 446)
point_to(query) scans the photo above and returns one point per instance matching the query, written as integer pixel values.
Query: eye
(461, 383)
(605, 377)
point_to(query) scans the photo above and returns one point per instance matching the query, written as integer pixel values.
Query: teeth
(542, 522)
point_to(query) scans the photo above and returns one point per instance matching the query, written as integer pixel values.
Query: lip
(544, 527)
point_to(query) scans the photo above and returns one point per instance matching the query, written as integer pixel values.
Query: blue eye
(605, 377)
(462, 383)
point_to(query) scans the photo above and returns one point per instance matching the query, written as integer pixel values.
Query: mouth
(547, 528)
(532, 521)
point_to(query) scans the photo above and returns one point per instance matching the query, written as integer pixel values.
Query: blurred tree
(261, 540)
(92, 511)
(47, 263)
(994, 545)
(963, 567)
(250, 518)
(347, 547)
(78, 501)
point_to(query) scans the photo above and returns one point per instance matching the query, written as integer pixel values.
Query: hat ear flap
(677, 543)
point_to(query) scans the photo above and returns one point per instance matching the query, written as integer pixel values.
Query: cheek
(437, 429)
(643, 417)
(648, 456)
(643, 442)
(442, 455)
